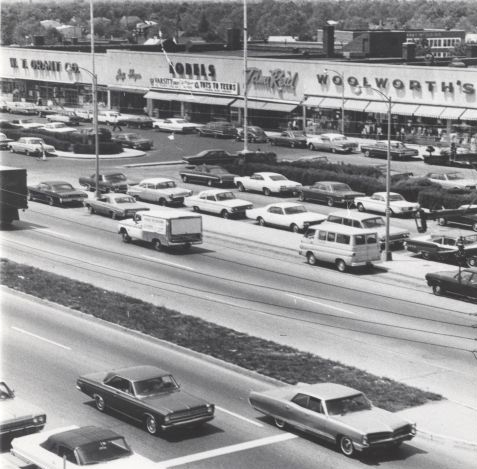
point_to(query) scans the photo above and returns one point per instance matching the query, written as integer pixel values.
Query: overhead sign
(185, 84)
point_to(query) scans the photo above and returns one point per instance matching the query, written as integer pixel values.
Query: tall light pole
(388, 100)
(341, 75)
(94, 90)
(245, 93)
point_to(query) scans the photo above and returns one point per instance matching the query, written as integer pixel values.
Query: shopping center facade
(205, 86)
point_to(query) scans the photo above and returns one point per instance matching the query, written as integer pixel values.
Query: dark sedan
(214, 156)
(330, 192)
(462, 283)
(255, 134)
(109, 181)
(56, 193)
(464, 220)
(205, 174)
(290, 138)
(398, 150)
(132, 140)
(148, 395)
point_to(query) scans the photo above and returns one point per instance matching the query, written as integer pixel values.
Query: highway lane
(403, 333)
(45, 348)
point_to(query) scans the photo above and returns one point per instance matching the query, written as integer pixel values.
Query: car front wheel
(330, 202)
(151, 425)
(311, 259)
(126, 237)
(341, 265)
(346, 446)
(367, 153)
(360, 207)
(295, 228)
(474, 226)
(443, 222)
(225, 214)
(51, 201)
(157, 245)
(437, 289)
(266, 191)
(241, 187)
(279, 423)
(99, 403)
(261, 221)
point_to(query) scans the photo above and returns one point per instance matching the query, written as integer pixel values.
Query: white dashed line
(233, 414)
(326, 305)
(160, 261)
(40, 338)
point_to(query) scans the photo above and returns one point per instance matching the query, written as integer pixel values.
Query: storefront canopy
(429, 111)
(469, 115)
(265, 105)
(402, 109)
(355, 105)
(453, 113)
(251, 104)
(380, 107)
(190, 98)
(313, 101)
(127, 89)
(331, 103)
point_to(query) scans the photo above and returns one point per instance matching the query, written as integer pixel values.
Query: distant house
(129, 21)
(69, 31)
(284, 39)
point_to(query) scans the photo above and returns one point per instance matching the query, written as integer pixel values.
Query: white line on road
(227, 450)
(56, 233)
(343, 310)
(155, 259)
(23, 331)
(233, 414)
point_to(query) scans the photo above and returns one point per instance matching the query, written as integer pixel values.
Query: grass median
(268, 358)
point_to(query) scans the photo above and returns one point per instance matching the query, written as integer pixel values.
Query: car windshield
(218, 171)
(35, 141)
(62, 187)
(295, 209)
(395, 197)
(348, 404)
(225, 196)
(104, 450)
(115, 177)
(454, 176)
(278, 177)
(166, 185)
(298, 134)
(373, 222)
(125, 200)
(181, 121)
(25, 121)
(153, 386)
(5, 392)
(340, 187)
(57, 125)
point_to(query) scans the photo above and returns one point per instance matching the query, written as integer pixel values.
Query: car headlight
(210, 408)
(364, 440)
(171, 196)
(39, 419)
(167, 419)
(413, 429)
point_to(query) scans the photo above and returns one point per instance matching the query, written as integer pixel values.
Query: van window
(322, 235)
(359, 240)
(342, 238)
(310, 233)
(371, 239)
(357, 224)
(331, 236)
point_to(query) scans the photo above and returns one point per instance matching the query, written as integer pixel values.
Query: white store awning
(313, 101)
(452, 113)
(469, 115)
(190, 98)
(279, 107)
(355, 105)
(380, 107)
(429, 111)
(331, 103)
(404, 109)
(251, 104)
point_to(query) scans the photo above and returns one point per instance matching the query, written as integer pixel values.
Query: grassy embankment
(268, 358)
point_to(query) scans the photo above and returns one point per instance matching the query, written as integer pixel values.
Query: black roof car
(465, 220)
(214, 156)
(207, 174)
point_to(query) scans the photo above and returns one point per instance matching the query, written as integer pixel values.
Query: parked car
(44, 111)
(331, 142)
(443, 247)
(109, 181)
(267, 183)
(377, 203)
(132, 140)
(219, 201)
(308, 159)
(461, 283)
(110, 118)
(463, 219)
(206, 174)
(31, 146)
(215, 156)
(397, 236)
(255, 134)
(56, 192)
(85, 115)
(20, 107)
(139, 121)
(290, 138)
(73, 446)
(26, 124)
(452, 180)
(176, 124)
(67, 117)
(103, 132)
(147, 394)
(339, 414)
(379, 149)
(17, 416)
(394, 173)
(218, 129)
(329, 192)
(290, 215)
(114, 206)
(163, 191)
(59, 127)
(4, 141)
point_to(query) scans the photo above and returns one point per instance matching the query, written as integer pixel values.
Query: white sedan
(163, 191)
(176, 124)
(267, 183)
(219, 201)
(377, 203)
(331, 142)
(452, 180)
(26, 124)
(31, 146)
(289, 215)
(58, 127)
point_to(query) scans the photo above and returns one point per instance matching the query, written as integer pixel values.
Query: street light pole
(245, 65)
(341, 75)
(388, 100)
(95, 97)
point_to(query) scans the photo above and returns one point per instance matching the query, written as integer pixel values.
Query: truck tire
(91, 210)
(311, 259)
(360, 207)
(157, 245)
(225, 214)
(340, 265)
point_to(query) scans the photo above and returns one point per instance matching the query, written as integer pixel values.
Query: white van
(344, 246)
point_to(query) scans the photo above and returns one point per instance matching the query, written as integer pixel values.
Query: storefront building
(210, 86)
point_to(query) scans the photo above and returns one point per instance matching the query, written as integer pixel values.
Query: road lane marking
(23, 331)
(155, 259)
(233, 414)
(326, 305)
(56, 233)
(228, 450)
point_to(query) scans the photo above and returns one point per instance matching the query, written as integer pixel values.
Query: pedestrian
(116, 125)
(379, 132)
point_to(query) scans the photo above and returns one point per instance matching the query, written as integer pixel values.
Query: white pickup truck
(267, 183)
(163, 227)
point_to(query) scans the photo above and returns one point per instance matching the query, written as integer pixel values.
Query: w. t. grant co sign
(185, 84)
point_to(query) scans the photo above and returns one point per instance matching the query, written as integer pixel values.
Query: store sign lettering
(131, 75)
(196, 70)
(398, 84)
(183, 84)
(48, 65)
(278, 80)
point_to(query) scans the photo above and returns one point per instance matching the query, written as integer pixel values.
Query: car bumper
(382, 443)
(187, 423)
(21, 430)
(72, 200)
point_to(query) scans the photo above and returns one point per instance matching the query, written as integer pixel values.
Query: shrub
(410, 188)
(105, 148)
(436, 199)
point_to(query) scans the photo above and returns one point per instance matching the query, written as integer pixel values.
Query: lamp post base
(386, 256)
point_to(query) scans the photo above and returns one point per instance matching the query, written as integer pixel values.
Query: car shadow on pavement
(357, 271)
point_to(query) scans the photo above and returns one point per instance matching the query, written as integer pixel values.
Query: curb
(446, 439)
(157, 163)
(129, 153)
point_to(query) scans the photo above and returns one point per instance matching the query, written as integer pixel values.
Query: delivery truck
(163, 227)
(13, 193)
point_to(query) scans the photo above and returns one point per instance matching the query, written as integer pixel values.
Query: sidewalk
(126, 153)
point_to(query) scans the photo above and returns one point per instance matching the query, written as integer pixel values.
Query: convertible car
(95, 447)
(148, 395)
(336, 413)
